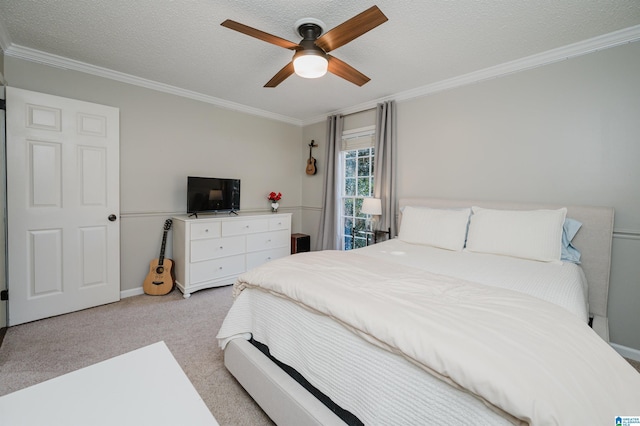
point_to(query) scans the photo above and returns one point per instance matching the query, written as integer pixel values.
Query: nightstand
(373, 237)
(379, 235)
(300, 243)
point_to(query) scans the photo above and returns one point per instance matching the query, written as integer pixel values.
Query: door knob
(112, 217)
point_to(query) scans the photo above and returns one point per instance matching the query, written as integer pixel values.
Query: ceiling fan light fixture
(310, 63)
(311, 59)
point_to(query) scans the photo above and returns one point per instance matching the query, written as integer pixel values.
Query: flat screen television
(210, 195)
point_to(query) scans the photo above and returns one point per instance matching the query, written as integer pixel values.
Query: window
(357, 158)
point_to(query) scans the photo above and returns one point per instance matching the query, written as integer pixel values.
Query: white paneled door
(62, 205)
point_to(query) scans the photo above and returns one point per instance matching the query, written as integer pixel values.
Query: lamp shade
(372, 206)
(310, 63)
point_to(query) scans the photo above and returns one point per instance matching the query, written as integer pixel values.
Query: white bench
(142, 387)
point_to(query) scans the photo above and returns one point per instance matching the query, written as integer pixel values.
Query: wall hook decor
(311, 162)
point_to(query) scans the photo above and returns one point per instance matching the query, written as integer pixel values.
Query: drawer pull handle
(269, 240)
(206, 230)
(269, 258)
(220, 268)
(221, 248)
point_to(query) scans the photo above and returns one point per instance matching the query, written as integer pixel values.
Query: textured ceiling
(180, 43)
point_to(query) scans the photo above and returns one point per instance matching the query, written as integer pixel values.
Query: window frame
(356, 141)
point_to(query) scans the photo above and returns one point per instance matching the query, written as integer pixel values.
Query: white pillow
(528, 234)
(445, 229)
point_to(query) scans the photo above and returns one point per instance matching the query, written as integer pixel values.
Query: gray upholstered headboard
(593, 240)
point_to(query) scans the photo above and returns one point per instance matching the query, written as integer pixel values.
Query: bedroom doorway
(62, 205)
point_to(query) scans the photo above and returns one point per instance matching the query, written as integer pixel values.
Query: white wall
(163, 139)
(311, 185)
(566, 133)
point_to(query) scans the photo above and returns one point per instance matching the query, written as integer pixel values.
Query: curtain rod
(358, 112)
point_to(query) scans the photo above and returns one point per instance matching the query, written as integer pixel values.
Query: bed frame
(288, 403)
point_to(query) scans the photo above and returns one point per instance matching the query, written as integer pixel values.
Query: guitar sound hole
(159, 270)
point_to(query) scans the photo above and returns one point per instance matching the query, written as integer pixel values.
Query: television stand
(214, 250)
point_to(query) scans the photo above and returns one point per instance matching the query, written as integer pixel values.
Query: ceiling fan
(311, 58)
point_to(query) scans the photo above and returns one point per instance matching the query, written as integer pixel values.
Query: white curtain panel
(328, 235)
(385, 166)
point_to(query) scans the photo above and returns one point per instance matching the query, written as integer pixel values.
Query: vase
(274, 207)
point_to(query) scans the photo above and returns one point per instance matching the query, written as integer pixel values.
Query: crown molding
(617, 38)
(33, 55)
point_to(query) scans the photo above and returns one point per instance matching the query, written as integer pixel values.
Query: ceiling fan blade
(351, 29)
(269, 38)
(281, 75)
(346, 71)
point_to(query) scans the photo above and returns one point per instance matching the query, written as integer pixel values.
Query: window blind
(358, 138)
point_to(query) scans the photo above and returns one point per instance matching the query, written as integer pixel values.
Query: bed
(451, 323)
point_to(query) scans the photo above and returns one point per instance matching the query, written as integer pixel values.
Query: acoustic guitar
(159, 280)
(311, 162)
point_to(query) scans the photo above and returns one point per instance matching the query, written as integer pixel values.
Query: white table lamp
(372, 207)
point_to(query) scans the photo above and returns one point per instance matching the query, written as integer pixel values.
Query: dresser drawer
(243, 227)
(258, 258)
(205, 230)
(217, 268)
(268, 240)
(214, 248)
(277, 223)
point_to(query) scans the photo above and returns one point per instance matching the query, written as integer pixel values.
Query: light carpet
(34, 352)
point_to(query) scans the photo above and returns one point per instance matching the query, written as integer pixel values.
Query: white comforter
(521, 355)
(561, 283)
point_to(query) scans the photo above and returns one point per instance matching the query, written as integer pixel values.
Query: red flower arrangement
(274, 197)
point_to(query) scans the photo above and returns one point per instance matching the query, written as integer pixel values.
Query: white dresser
(212, 251)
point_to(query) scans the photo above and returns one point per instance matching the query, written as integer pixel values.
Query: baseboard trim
(627, 352)
(132, 292)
